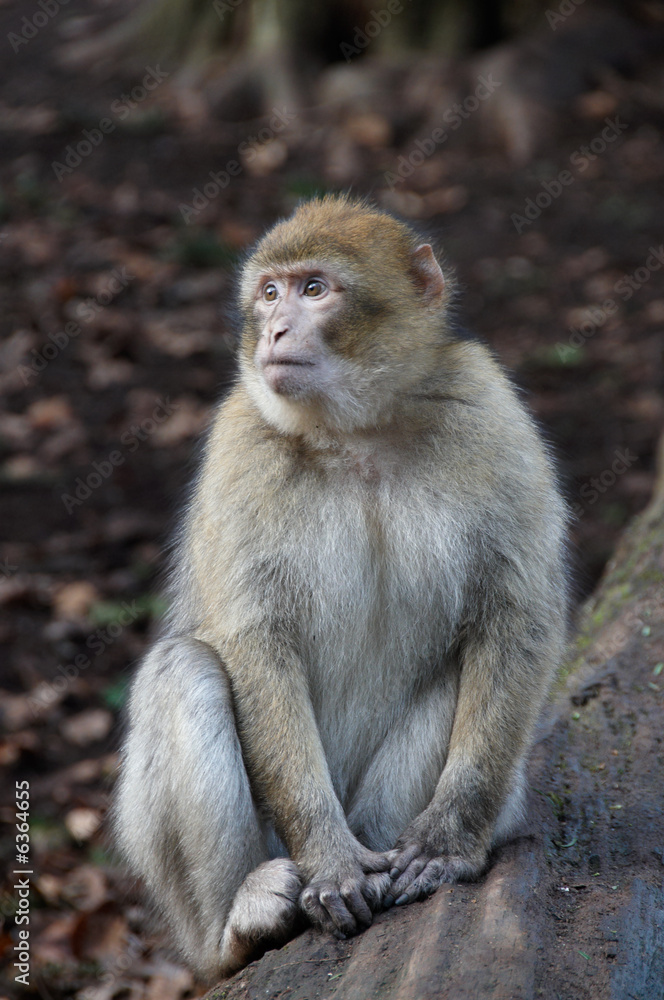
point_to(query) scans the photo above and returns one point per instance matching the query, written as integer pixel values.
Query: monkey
(368, 607)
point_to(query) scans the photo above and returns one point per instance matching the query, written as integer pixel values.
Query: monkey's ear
(426, 273)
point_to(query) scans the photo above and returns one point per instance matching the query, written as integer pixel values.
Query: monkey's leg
(506, 668)
(186, 819)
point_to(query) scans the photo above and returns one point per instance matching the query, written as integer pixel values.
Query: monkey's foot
(417, 874)
(263, 915)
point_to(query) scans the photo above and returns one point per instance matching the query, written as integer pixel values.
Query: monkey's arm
(288, 770)
(506, 669)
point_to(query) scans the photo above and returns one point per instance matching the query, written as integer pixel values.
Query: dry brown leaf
(63, 442)
(37, 244)
(54, 942)
(74, 600)
(16, 710)
(14, 588)
(87, 727)
(46, 414)
(22, 467)
(12, 747)
(83, 823)
(447, 199)
(177, 343)
(404, 203)
(50, 887)
(596, 104)
(100, 934)
(261, 160)
(15, 429)
(109, 371)
(188, 420)
(170, 983)
(655, 311)
(236, 233)
(86, 888)
(370, 129)
(9, 753)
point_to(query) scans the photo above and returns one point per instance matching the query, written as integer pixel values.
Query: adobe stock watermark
(74, 154)
(131, 439)
(591, 491)
(96, 643)
(565, 10)
(223, 7)
(120, 278)
(580, 160)
(7, 569)
(32, 25)
(598, 314)
(454, 117)
(378, 19)
(248, 150)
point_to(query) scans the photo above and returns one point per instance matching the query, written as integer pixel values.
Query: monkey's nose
(278, 331)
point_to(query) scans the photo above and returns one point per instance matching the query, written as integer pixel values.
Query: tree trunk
(574, 908)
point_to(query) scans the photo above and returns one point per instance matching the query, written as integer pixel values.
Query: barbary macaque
(368, 607)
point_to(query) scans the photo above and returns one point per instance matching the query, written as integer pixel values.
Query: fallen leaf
(54, 942)
(86, 888)
(22, 467)
(188, 420)
(261, 160)
(45, 414)
(15, 429)
(100, 934)
(83, 823)
(370, 129)
(171, 983)
(87, 727)
(73, 600)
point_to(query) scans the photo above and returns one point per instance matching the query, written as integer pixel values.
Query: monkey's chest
(381, 599)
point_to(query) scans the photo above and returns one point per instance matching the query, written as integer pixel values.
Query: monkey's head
(344, 312)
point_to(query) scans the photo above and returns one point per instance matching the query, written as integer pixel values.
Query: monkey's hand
(344, 896)
(426, 855)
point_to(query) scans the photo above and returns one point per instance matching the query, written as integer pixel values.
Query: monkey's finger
(411, 873)
(372, 862)
(431, 876)
(341, 917)
(357, 905)
(403, 859)
(317, 914)
(376, 888)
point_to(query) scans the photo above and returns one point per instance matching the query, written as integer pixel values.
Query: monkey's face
(293, 308)
(312, 354)
(343, 312)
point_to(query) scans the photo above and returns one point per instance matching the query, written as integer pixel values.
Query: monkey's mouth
(286, 376)
(277, 362)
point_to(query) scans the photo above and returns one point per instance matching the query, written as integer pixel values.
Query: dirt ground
(117, 335)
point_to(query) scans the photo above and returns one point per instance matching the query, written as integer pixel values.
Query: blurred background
(144, 147)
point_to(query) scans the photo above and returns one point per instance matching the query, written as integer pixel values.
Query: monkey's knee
(264, 913)
(185, 816)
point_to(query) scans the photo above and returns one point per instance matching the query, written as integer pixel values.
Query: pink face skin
(291, 307)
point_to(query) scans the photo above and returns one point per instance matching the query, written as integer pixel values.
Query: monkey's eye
(314, 287)
(270, 292)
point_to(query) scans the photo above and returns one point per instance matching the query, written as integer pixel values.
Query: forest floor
(117, 336)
